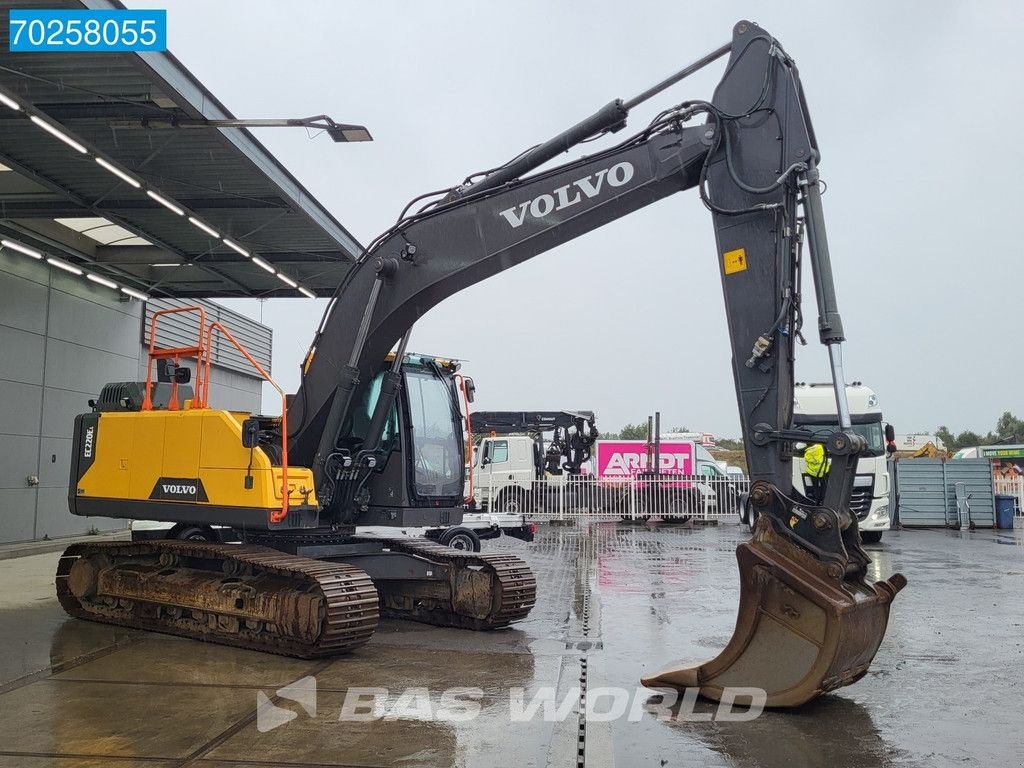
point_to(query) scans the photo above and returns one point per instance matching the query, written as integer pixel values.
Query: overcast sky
(917, 109)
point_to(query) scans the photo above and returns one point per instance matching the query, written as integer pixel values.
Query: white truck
(815, 410)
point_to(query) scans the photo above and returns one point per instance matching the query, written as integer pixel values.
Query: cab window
(497, 451)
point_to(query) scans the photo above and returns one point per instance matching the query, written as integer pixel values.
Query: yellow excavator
(374, 437)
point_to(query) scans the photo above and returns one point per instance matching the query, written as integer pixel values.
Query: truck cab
(815, 410)
(503, 463)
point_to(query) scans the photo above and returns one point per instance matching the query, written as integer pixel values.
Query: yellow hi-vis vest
(817, 463)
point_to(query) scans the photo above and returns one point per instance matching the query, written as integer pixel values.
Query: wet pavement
(615, 601)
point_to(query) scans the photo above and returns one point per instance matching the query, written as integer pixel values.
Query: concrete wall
(61, 339)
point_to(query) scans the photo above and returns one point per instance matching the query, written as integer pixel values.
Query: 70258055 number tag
(87, 31)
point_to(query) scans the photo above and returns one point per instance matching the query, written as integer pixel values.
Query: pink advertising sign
(620, 459)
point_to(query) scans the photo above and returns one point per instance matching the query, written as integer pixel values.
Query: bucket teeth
(799, 632)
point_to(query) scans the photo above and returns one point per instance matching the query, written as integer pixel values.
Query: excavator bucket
(799, 633)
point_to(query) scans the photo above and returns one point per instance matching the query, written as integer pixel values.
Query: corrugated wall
(181, 330)
(233, 381)
(61, 339)
(926, 489)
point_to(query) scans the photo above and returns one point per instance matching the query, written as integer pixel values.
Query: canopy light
(58, 134)
(21, 249)
(135, 294)
(205, 227)
(237, 248)
(263, 265)
(64, 265)
(101, 280)
(337, 131)
(165, 202)
(72, 269)
(118, 172)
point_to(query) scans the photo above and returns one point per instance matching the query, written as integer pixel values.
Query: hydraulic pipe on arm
(845, 446)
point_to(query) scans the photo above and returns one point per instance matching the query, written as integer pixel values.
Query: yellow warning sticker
(735, 261)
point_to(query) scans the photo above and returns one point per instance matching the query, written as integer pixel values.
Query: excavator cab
(401, 458)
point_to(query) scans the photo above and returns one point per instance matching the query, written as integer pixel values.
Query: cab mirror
(168, 371)
(890, 433)
(250, 433)
(470, 389)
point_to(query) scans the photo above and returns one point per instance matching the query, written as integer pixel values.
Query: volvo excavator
(372, 438)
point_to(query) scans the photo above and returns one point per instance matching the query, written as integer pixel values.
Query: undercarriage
(304, 595)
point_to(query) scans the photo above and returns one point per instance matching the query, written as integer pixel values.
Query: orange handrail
(278, 516)
(469, 434)
(175, 352)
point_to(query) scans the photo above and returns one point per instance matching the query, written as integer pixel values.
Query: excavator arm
(809, 620)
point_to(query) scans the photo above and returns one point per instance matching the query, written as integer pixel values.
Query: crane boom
(574, 434)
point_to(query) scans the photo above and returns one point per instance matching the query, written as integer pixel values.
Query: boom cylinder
(607, 118)
(610, 117)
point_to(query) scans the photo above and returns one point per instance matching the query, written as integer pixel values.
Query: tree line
(1009, 429)
(636, 432)
(639, 432)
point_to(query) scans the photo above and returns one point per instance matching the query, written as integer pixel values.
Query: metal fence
(1011, 486)
(672, 498)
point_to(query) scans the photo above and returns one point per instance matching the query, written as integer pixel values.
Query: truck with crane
(375, 438)
(516, 470)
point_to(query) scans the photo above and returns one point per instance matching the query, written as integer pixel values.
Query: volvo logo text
(570, 194)
(179, 490)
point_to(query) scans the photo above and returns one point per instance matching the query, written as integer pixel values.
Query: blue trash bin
(1004, 510)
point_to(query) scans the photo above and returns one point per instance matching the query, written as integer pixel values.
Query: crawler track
(245, 596)
(484, 591)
